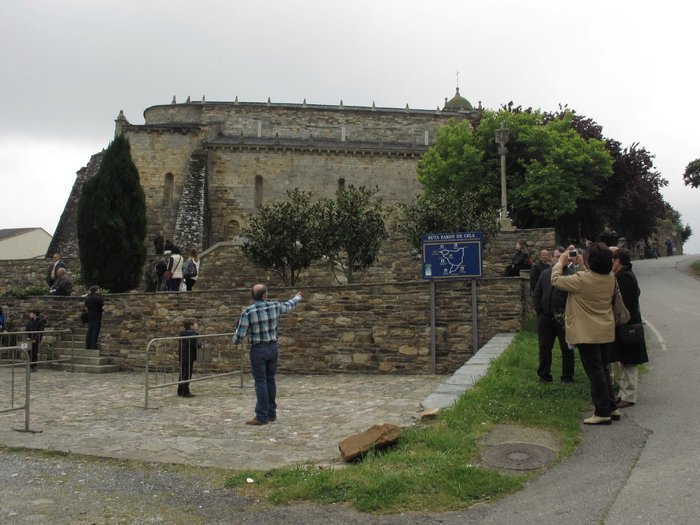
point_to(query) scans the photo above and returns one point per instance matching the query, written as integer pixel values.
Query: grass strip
(433, 467)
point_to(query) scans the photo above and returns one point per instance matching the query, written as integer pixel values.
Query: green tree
(459, 161)
(691, 177)
(283, 236)
(445, 211)
(112, 222)
(351, 230)
(550, 167)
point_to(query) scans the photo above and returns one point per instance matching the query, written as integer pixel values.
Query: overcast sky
(69, 67)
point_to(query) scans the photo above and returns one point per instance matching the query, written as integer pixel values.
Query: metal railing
(12, 365)
(216, 356)
(22, 339)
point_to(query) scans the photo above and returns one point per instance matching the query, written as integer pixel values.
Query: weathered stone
(408, 350)
(360, 358)
(347, 337)
(385, 367)
(376, 437)
(430, 413)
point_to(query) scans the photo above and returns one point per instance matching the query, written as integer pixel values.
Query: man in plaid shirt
(259, 321)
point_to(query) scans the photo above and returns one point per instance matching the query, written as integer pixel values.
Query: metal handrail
(50, 331)
(27, 376)
(156, 340)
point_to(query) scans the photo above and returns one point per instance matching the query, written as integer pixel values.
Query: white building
(23, 243)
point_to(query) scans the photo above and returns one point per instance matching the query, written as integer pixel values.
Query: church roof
(457, 103)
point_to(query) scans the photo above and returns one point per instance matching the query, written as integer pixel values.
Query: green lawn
(432, 468)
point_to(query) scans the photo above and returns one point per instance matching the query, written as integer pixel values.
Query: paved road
(664, 485)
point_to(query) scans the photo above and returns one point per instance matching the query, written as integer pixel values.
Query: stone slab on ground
(376, 437)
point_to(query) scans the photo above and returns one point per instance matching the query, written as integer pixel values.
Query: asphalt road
(664, 484)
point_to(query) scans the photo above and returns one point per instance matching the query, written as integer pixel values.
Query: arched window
(341, 184)
(258, 191)
(232, 229)
(168, 190)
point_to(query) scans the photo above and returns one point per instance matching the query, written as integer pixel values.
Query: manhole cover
(517, 456)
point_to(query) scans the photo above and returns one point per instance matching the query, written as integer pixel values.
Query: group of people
(573, 298)
(649, 249)
(57, 277)
(172, 272)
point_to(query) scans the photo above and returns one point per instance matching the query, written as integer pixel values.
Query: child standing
(187, 355)
(35, 324)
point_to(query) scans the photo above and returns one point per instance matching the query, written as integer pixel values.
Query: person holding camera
(590, 323)
(550, 303)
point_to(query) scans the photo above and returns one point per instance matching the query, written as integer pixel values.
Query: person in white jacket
(175, 264)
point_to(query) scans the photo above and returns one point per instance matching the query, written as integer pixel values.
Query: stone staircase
(89, 361)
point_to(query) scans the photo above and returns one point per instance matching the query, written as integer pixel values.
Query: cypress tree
(112, 222)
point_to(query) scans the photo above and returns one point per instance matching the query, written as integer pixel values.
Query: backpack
(190, 270)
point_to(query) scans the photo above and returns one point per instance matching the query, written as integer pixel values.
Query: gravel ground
(49, 488)
(57, 489)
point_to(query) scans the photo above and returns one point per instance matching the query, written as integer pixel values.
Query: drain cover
(517, 456)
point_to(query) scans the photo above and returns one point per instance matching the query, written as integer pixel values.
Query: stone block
(374, 438)
(408, 350)
(386, 367)
(430, 413)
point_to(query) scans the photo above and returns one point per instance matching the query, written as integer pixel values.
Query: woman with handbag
(629, 350)
(174, 272)
(590, 323)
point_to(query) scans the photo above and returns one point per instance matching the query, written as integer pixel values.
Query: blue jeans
(263, 363)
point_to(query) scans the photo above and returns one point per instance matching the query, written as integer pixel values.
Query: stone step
(78, 351)
(88, 360)
(90, 369)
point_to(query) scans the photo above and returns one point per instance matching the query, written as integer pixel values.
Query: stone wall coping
(316, 107)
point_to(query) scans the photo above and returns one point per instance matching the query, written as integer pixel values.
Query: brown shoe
(597, 420)
(625, 404)
(255, 422)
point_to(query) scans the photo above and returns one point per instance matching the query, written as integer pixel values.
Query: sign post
(452, 256)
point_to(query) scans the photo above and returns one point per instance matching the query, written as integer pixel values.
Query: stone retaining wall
(369, 328)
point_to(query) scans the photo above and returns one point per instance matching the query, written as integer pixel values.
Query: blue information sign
(452, 255)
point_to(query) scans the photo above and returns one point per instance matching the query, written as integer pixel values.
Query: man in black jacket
(550, 304)
(538, 268)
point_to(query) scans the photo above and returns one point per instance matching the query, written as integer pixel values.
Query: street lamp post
(502, 140)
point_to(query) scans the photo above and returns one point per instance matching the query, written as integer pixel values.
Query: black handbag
(630, 333)
(84, 316)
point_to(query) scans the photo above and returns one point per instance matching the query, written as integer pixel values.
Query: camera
(573, 253)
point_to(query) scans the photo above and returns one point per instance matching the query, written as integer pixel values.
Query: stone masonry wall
(379, 328)
(302, 121)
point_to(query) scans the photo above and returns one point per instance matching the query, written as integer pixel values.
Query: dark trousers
(263, 363)
(93, 331)
(173, 285)
(190, 284)
(35, 354)
(548, 329)
(187, 359)
(594, 358)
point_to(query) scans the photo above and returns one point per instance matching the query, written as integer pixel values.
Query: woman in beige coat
(590, 323)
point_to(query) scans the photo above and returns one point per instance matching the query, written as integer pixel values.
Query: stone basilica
(205, 165)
